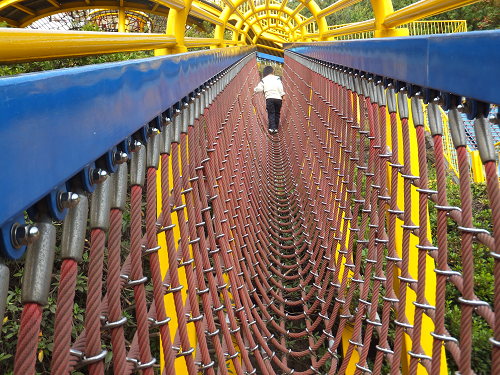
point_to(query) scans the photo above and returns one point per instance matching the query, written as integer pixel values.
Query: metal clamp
(419, 356)
(174, 290)
(87, 361)
(39, 262)
(136, 282)
(155, 323)
(100, 206)
(472, 302)
(364, 369)
(444, 338)
(150, 251)
(182, 354)
(202, 367)
(15, 235)
(111, 325)
(457, 127)
(4, 289)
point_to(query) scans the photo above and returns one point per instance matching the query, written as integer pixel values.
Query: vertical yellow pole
(180, 364)
(477, 167)
(176, 26)
(121, 20)
(430, 295)
(382, 8)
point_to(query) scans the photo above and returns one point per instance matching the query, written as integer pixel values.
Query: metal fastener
(67, 200)
(120, 157)
(24, 235)
(39, 261)
(97, 176)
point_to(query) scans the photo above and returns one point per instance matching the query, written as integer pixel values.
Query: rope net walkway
(295, 249)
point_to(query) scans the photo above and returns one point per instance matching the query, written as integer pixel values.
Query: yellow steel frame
(249, 16)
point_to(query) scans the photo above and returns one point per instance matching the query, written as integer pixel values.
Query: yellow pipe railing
(414, 28)
(422, 9)
(435, 27)
(22, 45)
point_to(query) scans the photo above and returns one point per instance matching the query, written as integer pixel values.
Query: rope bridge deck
(307, 251)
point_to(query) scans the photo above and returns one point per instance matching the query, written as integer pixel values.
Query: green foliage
(39, 66)
(10, 330)
(3, 24)
(91, 27)
(484, 15)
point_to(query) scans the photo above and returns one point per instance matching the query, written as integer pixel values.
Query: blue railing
(465, 64)
(57, 123)
(265, 56)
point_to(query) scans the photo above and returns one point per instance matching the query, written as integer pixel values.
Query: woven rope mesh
(274, 253)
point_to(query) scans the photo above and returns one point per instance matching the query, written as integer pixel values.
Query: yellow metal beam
(24, 9)
(54, 3)
(172, 4)
(353, 28)
(278, 35)
(422, 9)
(83, 5)
(23, 45)
(204, 15)
(335, 7)
(271, 48)
(202, 42)
(121, 19)
(209, 8)
(10, 22)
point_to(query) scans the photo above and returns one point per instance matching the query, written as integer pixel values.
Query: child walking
(273, 91)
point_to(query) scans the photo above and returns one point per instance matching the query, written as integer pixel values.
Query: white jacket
(272, 87)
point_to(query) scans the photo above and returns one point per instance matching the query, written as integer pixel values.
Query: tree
(484, 15)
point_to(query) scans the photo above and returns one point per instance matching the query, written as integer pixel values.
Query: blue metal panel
(265, 56)
(53, 124)
(465, 64)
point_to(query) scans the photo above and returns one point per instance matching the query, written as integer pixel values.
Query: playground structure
(309, 251)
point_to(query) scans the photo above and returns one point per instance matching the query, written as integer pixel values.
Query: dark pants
(273, 107)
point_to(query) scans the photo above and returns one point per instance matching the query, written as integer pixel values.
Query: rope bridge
(307, 251)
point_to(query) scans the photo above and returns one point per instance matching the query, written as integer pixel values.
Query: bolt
(135, 145)
(23, 235)
(419, 95)
(67, 200)
(98, 176)
(166, 120)
(495, 119)
(440, 100)
(464, 108)
(119, 157)
(403, 90)
(152, 132)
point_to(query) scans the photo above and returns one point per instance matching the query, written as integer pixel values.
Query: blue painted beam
(53, 124)
(265, 56)
(465, 64)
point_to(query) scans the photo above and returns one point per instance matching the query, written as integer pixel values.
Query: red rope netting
(296, 251)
